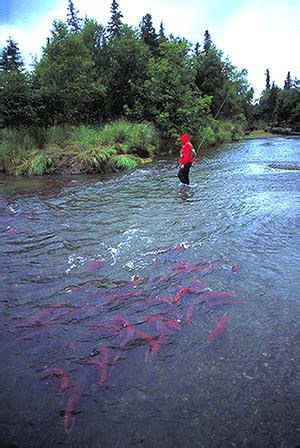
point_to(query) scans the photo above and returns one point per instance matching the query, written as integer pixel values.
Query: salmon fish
(218, 330)
(59, 373)
(211, 295)
(69, 417)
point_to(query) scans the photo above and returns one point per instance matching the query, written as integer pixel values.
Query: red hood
(184, 138)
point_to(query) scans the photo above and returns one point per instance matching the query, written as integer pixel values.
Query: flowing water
(114, 332)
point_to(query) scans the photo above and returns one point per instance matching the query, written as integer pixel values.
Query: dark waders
(183, 173)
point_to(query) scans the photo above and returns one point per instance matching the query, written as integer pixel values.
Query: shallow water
(81, 254)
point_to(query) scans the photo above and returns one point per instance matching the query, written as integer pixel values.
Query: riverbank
(258, 133)
(114, 147)
(76, 150)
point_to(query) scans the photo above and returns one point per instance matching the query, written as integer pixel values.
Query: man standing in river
(187, 155)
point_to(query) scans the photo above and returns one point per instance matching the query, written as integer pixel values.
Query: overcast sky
(254, 34)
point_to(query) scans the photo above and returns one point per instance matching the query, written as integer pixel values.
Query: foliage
(148, 34)
(95, 158)
(125, 162)
(57, 135)
(66, 78)
(73, 20)
(11, 59)
(135, 137)
(16, 100)
(115, 23)
(84, 137)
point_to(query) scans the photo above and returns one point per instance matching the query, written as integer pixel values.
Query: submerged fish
(200, 285)
(218, 303)
(150, 340)
(218, 330)
(59, 373)
(107, 326)
(212, 295)
(69, 417)
(101, 368)
(234, 267)
(189, 314)
(183, 291)
(94, 265)
(125, 324)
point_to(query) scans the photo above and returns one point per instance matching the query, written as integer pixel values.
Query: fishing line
(213, 118)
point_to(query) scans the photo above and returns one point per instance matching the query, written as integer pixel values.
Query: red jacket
(186, 154)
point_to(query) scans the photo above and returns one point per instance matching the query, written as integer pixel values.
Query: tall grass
(219, 132)
(139, 138)
(124, 162)
(14, 148)
(116, 145)
(57, 135)
(95, 158)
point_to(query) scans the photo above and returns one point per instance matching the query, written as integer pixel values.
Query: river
(137, 312)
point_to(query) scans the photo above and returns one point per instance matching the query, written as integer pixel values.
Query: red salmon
(234, 267)
(69, 418)
(59, 373)
(94, 265)
(101, 369)
(124, 323)
(218, 330)
(189, 313)
(105, 326)
(210, 295)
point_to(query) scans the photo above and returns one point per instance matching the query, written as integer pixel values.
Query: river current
(138, 312)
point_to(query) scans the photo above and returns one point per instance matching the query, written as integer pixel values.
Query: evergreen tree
(161, 34)
(268, 85)
(11, 58)
(288, 81)
(197, 49)
(73, 20)
(148, 34)
(125, 72)
(267, 104)
(115, 23)
(210, 76)
(16, 100)
(207, 42)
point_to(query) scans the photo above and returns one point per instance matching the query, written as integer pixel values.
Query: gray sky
(254, 34)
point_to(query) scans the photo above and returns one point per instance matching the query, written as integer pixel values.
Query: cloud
(258, 38)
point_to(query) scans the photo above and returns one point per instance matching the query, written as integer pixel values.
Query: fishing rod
(213, 118)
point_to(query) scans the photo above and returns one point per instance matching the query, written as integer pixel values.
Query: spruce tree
(11, 59)
(268, 85)
(288, 81)
(115, 23)
(147, 33)
(197, 49)
(73, 21)
(161, 34)
(207, 42)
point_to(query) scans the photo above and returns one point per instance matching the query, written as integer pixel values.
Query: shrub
(95, 158)
(84, 138)
(124, 162)
(57, 135)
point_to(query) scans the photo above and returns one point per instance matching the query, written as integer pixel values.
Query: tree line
(93, 74)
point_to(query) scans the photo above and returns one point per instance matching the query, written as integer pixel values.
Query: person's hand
(181, 165)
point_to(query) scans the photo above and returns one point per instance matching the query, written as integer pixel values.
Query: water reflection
(185, 193)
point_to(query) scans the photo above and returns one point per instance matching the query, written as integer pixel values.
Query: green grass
(259, 133)
(116, 145)
(124, 162)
